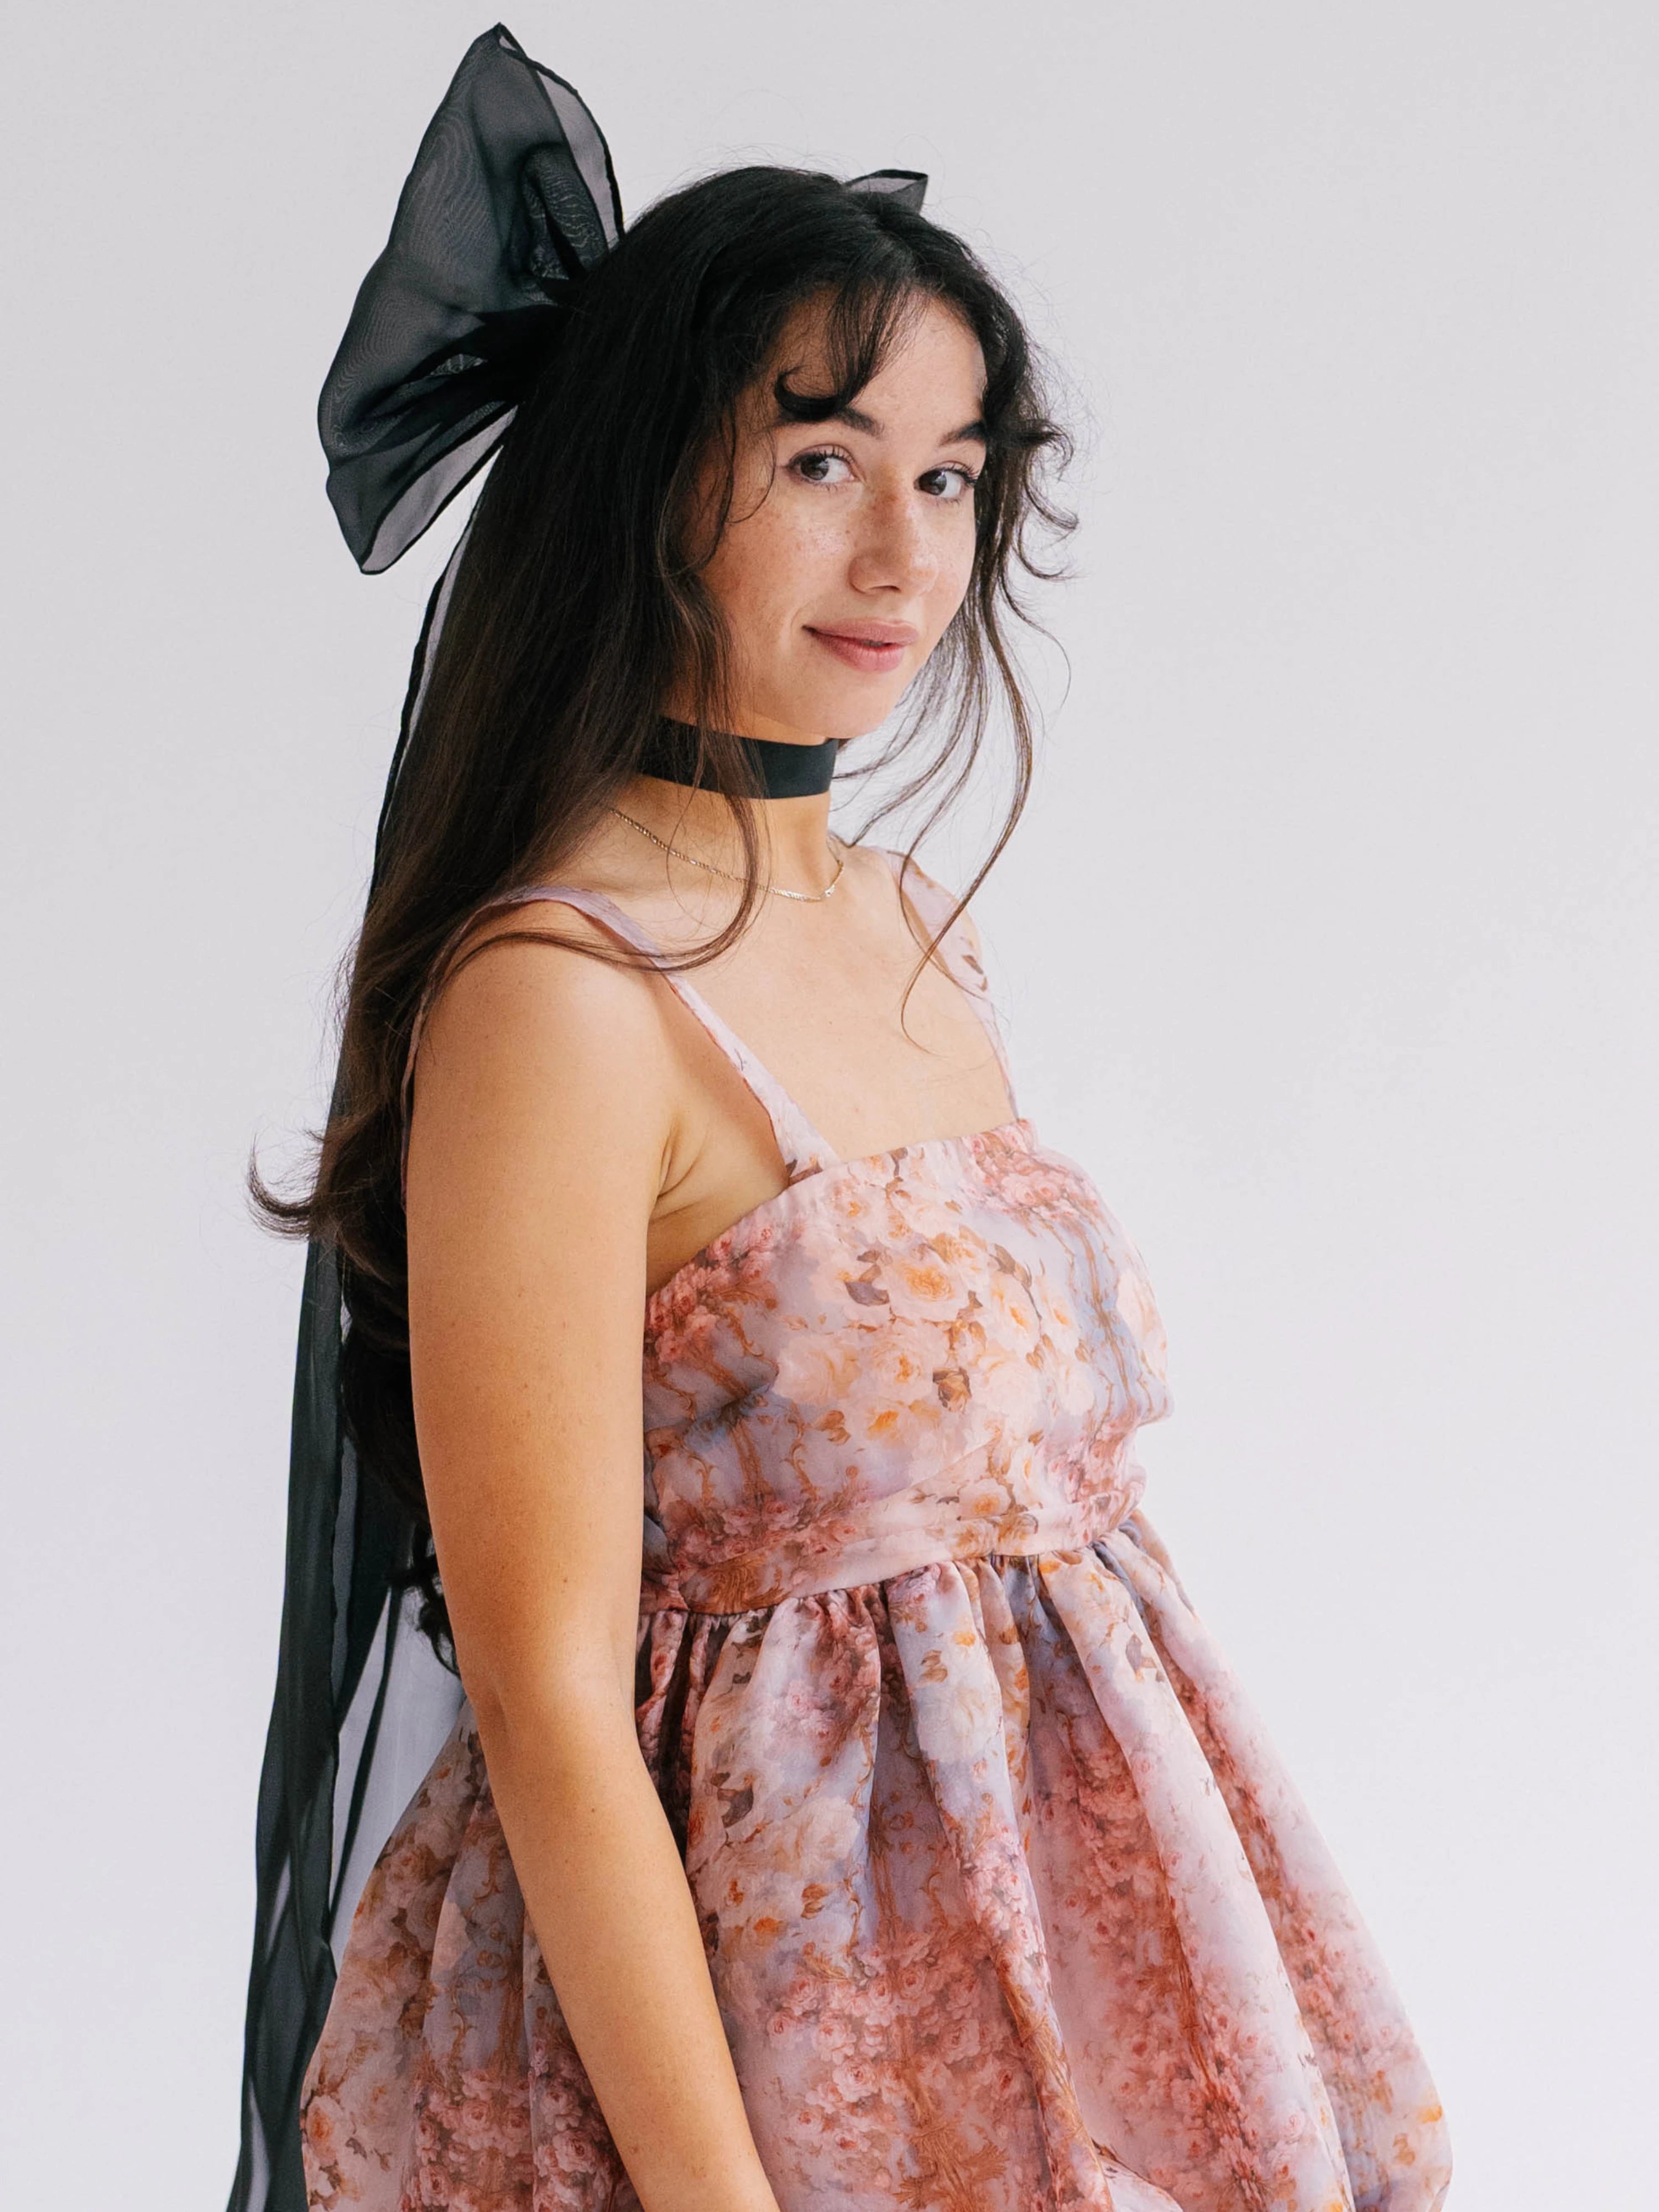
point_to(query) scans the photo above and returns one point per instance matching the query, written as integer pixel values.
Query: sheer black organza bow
(511, 200)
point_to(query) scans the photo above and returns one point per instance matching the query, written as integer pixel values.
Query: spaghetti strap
(933, 904)
(805, 1150)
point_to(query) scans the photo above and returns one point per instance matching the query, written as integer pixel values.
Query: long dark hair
(577, 605)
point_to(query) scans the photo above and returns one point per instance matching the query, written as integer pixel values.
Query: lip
(876, 648)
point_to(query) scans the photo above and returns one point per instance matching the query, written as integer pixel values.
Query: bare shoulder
(540, 999)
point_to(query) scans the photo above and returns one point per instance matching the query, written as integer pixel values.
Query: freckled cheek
(812, 550)
(784, 566)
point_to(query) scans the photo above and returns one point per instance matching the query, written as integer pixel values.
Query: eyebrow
(972, 433)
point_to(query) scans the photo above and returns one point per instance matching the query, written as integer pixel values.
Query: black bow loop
(510, 201)
(908, 186)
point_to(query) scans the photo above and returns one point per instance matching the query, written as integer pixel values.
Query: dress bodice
(937, 1352)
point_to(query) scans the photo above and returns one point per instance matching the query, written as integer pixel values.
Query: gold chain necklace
(806, 898)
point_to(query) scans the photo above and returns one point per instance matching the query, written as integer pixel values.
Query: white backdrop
(1328, 941)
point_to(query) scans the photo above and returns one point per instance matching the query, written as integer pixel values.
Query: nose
(894, 552)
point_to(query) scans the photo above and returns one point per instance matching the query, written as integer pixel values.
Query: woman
(884, 1830)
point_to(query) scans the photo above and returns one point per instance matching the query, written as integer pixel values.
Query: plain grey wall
(1327, 942)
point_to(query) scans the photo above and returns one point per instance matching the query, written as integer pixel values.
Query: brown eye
(947, 485)
(821, 466)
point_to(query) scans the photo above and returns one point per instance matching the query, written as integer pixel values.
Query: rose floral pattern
(1008, 1904)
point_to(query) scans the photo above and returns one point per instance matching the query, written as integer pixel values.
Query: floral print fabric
(1007, 1903)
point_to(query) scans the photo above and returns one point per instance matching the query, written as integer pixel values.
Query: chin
(840, 712)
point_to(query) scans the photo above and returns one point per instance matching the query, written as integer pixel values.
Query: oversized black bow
(511, 200)
(511, 197)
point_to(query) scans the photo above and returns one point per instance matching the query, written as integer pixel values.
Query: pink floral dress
(1008, 1905)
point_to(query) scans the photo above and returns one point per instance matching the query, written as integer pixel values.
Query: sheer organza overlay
(1008, 1904)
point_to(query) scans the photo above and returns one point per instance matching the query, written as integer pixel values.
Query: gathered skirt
(1008, 1905)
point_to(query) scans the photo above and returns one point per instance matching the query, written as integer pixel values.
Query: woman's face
(851, 542)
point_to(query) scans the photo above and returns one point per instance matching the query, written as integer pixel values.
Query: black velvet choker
(782, 771)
